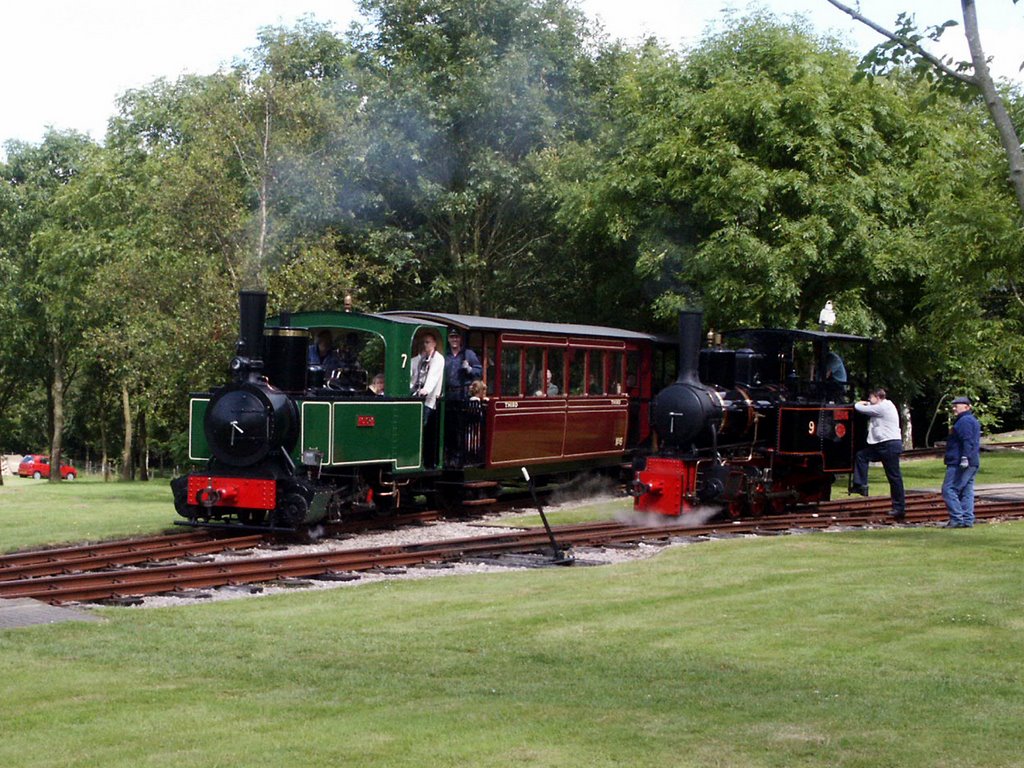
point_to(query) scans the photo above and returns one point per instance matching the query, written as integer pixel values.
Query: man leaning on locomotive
(885, 444)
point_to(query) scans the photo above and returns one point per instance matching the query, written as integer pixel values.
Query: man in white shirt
(885, 444)
(426, 376)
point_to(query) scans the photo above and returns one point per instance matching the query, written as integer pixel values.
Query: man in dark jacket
(461, 367)
(962, 461)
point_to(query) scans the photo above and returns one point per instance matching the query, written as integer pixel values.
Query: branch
(910, 44)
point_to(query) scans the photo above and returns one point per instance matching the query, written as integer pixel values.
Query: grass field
(892, 647)
(36, 512)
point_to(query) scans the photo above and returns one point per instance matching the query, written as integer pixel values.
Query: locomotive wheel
(293, 511)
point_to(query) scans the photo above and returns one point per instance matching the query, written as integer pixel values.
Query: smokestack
(690, 324)
(252, 311)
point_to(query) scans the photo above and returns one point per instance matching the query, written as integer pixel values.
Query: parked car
(38, 466)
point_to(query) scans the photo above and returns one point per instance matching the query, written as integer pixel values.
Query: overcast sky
(66, 61)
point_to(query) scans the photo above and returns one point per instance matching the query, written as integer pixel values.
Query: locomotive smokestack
(252, 311)
(690, 324)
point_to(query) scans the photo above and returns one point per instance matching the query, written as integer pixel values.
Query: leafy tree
(46, 230)
(459, 97)
(758, 177)
(972, 295)
(904, 47)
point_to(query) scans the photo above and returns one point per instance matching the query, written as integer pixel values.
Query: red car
(38, 466)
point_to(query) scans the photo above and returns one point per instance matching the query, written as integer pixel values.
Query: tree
(905, 44)
(459, 97)
(55, 252)
(757, 177)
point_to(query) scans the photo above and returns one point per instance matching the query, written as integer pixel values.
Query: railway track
(77, 578)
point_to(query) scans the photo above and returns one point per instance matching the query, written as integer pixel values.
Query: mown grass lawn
(893, 647)
(37, 512)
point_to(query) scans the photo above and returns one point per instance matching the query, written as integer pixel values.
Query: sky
(67, 61)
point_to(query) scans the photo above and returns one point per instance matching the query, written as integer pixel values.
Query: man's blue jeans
(958, 493)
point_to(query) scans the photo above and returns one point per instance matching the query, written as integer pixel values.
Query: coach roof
(497, 325)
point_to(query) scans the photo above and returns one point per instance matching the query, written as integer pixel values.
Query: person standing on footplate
(963, 457)
(885, 444)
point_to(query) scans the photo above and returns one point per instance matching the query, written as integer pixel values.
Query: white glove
(964, 463)
(465, 365)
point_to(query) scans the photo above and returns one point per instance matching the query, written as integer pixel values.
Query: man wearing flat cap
(962, 460)
(461, 367)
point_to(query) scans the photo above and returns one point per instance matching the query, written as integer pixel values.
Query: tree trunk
(105, 460)
(57, 397)
(126, 449)
(996, 108)
(143, 449)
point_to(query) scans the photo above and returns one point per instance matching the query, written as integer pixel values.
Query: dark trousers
(430, 437)
(888, 453)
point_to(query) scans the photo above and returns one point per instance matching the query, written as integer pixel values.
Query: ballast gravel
(405, 536)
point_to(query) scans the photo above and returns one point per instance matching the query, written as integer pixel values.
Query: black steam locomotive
(757, 421)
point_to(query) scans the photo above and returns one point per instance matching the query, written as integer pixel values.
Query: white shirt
(885, 421)
(431, 389)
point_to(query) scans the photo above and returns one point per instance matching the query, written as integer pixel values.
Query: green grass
(36, 512)
(996, 467)
(894, 647)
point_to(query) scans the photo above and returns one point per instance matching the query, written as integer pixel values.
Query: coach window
(556, 364)
(511, 367)
(535, 367)
(615, 373)
(632, 387)
(485, 344)
(665, 367)
(597, 373)
(575, 385)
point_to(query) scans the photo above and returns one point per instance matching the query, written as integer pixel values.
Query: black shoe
(899, 517)
(951, 524)
(963, 525)
(859, 490)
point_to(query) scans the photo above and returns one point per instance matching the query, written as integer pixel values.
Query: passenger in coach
(477, 391)
(426, 380)
(550, 388)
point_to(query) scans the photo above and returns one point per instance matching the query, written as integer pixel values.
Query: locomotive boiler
(750, 428)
